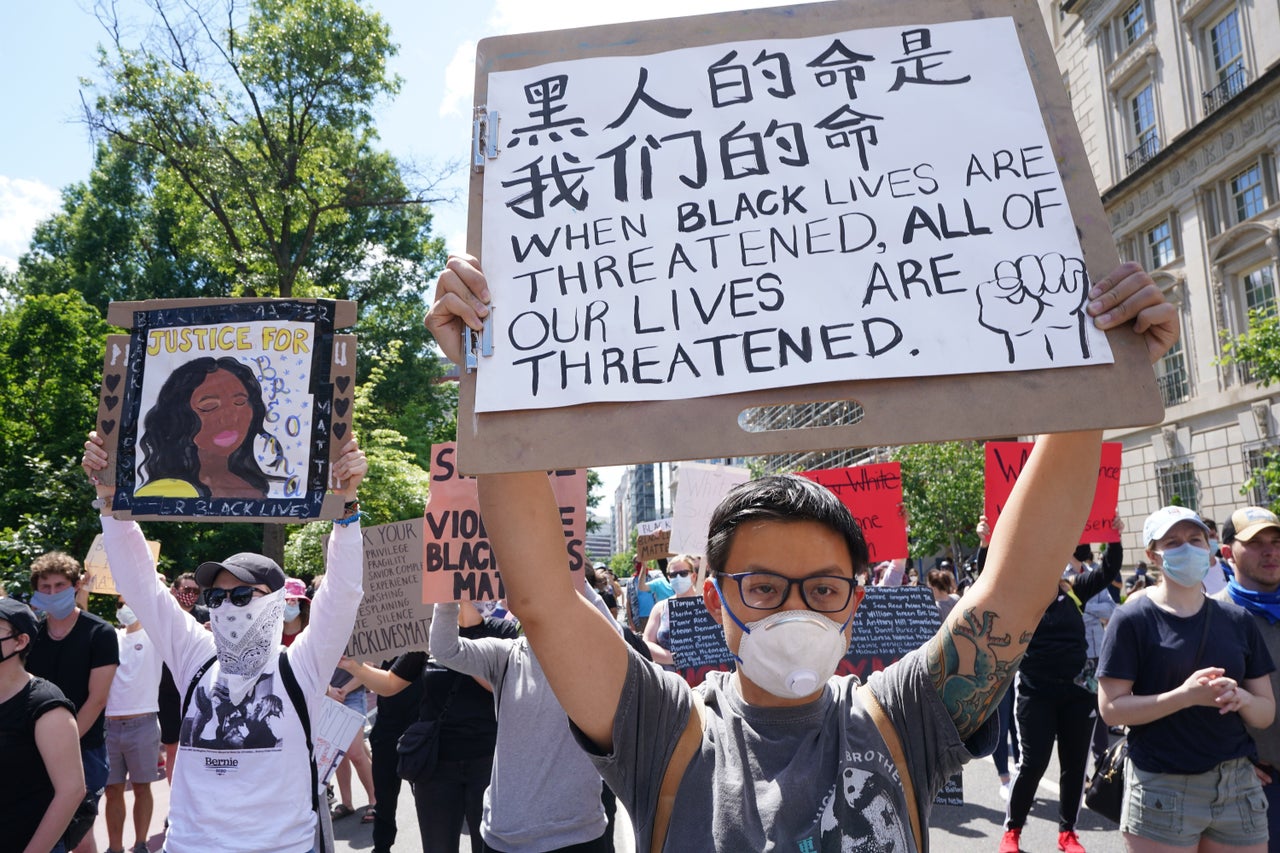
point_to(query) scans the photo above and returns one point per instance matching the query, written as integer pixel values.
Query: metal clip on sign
(484, 137)
(469, 343)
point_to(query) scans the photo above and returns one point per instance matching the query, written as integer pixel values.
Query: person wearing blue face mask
(1187, 674)
(78, 652)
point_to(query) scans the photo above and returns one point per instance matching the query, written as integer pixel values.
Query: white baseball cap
(1159, 522)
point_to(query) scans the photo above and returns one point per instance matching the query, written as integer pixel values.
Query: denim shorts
(1225, 805)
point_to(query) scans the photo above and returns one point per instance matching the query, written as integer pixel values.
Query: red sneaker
(1069, 842)
(1009, 841)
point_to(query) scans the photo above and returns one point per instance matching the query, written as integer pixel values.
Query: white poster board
(699, 489)
(774, 212)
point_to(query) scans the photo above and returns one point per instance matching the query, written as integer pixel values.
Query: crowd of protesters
(214, 681)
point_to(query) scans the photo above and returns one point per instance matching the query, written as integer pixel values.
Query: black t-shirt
(470, 729)
(1056, 653)
(25, 789)
(91, 643)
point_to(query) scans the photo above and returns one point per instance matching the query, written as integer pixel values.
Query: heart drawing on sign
(111, 400)
(341, 405)
(112, 381)
(108, 426)
(339, 430)
(342, 382)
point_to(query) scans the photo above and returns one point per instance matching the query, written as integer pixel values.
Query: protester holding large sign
(784, 551)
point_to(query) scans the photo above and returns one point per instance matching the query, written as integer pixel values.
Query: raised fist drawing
(1035, 301)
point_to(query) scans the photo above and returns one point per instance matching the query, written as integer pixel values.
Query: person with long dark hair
(198, 438)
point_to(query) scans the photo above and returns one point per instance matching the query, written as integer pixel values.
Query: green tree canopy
(942, 489)
(1259, 350)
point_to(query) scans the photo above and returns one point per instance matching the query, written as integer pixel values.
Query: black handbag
(1104, 792)
(419, 744)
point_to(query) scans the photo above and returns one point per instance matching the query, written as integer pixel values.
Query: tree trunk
(273, 537)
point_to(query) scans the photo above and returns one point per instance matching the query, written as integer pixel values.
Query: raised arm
(976, 651)
(523, 520)
(381, 681)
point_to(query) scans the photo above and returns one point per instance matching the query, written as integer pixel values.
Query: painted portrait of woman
(199, 436)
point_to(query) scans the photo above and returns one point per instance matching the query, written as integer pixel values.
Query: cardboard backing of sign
(895, 411)
(331, 417)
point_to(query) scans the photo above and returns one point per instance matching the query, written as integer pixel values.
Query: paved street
(972, 828)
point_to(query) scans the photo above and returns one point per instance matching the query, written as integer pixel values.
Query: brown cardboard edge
(121, 313)
(898, 411)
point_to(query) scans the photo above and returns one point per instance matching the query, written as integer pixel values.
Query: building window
(1226, 55)
(1160, 245)
(1133, 23)
(1247, 194)
(1255, 460)
(1177, 485)
(1260, 290)
(1142, 126)
(1171, 376)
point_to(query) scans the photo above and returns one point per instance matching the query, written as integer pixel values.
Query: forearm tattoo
(971, 691)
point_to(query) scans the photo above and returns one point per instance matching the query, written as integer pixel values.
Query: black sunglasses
(683, 574)
(240, 596)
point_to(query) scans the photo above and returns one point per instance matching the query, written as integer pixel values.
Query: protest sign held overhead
(699, 488)
(737, 207)
(458, 561)
(1004, 462)
(227, 409)
(98, 570)
(392, 618)
(653, 539)
(873, 494)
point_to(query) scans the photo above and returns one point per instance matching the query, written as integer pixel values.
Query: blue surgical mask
(292, 611)
(1186, 565)
(60, 605)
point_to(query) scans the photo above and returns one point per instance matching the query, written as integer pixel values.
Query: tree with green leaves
(942, 493)
(1259, 349)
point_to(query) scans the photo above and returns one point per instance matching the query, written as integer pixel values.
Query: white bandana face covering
(248, 639)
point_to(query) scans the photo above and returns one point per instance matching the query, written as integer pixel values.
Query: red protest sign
(458, 562)
(873, 493)
(1005, 460)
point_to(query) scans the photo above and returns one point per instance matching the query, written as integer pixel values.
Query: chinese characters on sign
(763, 214)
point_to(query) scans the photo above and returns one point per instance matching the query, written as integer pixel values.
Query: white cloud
(459, 81)
(23, 204)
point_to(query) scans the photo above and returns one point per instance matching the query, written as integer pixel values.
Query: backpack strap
(299, 701)
(894, 742)
(191, 688)
(686, 747)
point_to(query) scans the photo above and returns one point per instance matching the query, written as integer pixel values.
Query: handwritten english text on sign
(1004, 463)
(873, 494)
(392, 618)
(458, 560)
(771, 213)
(98, 570)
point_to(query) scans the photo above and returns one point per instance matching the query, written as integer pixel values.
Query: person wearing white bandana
(784, 753)
(242, 779)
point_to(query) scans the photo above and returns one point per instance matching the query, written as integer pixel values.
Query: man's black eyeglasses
(768, 591)
(240, 596)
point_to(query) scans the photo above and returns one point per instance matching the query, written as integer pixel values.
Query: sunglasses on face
(683, 574)
(240, 596)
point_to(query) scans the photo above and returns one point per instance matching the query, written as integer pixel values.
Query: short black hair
(784, 498)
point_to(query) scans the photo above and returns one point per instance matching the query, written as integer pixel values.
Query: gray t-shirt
(817, 777)
(1266, 740)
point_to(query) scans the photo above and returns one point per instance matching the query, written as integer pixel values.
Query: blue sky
(47, 47)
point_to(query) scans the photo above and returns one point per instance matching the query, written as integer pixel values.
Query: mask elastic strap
(715, 582)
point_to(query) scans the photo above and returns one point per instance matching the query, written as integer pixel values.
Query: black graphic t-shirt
(89, 644)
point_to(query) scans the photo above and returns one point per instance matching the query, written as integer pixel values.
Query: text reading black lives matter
(892, 224)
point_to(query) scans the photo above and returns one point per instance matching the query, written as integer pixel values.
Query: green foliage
(1259, 349)
(50, 363)
(266, 120)
(942, 491)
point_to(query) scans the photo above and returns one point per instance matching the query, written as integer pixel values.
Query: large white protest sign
(764, 213)
(699, 488)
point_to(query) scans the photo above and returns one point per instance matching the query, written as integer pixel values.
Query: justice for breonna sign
(764, 213)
